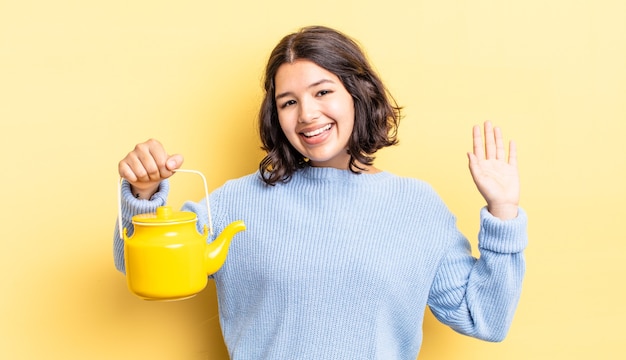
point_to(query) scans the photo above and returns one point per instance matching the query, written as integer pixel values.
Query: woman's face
(315, 112)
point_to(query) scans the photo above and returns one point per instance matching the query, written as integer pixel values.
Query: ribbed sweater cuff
(503, 236)
(141, 206)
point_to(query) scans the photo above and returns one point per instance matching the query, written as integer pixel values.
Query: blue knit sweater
(335, 265)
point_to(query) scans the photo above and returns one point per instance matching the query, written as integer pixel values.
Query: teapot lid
(166, 216)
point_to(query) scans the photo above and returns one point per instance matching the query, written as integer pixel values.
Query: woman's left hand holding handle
(146, 166)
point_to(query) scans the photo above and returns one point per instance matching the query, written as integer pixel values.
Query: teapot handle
(119, 201)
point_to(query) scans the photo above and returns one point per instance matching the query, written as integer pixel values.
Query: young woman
(340, 258)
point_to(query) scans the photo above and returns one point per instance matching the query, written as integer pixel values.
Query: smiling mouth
(310, 134)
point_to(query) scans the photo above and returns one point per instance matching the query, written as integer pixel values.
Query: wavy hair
(376, 113)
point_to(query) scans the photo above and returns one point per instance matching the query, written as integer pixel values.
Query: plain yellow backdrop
(81, 82)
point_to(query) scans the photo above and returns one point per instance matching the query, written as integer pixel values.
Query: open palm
(495, 175)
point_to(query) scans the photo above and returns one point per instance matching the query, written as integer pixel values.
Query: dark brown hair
(376, 114)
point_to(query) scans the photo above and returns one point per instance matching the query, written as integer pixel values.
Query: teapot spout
(216, 251)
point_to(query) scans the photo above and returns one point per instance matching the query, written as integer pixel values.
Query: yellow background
(82, 81)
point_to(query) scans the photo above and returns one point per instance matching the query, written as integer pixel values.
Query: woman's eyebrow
(288, 93)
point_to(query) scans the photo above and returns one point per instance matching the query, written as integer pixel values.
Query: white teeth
(317, 132)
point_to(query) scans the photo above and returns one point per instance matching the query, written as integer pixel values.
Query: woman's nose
(308, 111)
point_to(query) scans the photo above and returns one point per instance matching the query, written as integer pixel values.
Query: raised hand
(495, 175)
(146, 166)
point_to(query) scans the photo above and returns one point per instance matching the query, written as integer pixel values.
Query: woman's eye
(323, 92)
(288, 103)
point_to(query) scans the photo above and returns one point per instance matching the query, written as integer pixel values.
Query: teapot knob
(164, 212)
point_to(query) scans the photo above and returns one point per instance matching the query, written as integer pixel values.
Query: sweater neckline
(333, 174)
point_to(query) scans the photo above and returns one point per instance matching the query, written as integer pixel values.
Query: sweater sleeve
(478, 297)
(130, 206)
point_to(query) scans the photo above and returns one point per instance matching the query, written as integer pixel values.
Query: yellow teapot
(166, 258)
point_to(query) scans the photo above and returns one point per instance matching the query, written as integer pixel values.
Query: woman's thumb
(174, 162)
